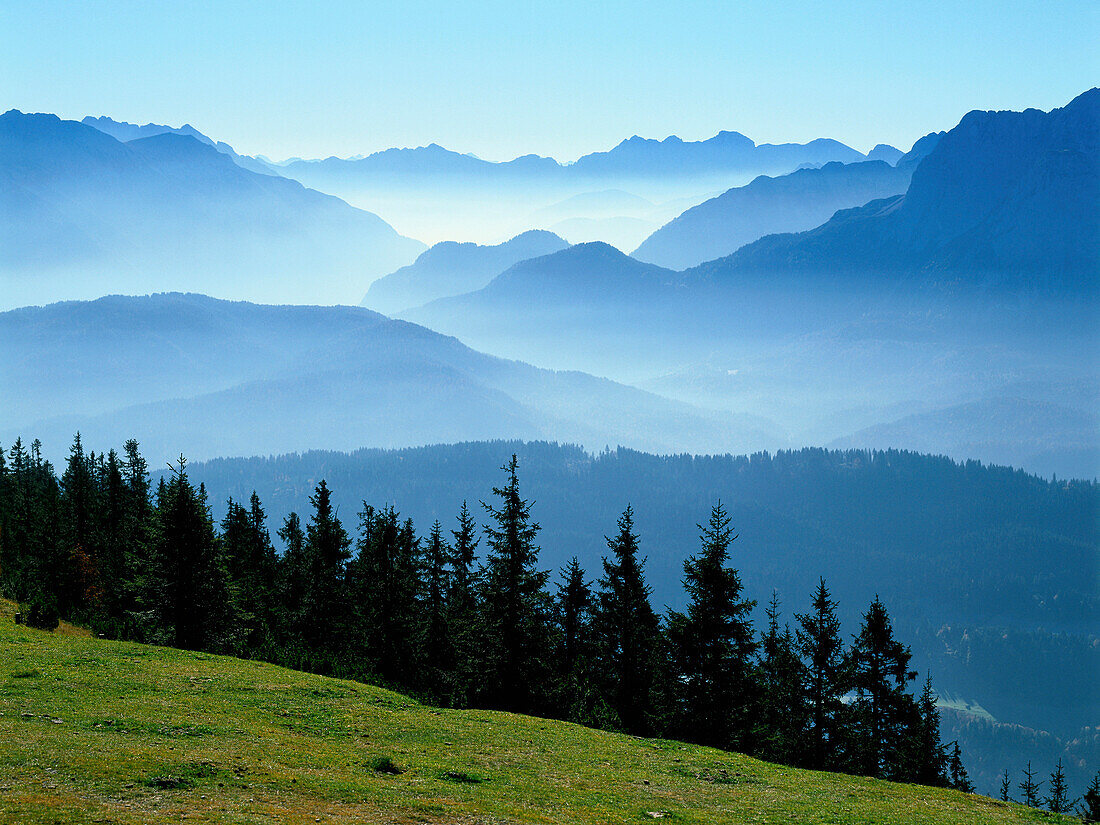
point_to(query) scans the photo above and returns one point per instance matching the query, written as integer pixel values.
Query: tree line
(463, 616)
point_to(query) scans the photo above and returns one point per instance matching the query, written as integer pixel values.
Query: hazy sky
(555, 78)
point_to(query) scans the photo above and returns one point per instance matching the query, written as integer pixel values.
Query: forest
(463, 616)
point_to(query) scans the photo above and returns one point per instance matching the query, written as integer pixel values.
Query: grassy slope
(89, 730)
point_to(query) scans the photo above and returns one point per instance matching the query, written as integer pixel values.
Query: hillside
(234, 378)
(83, 214)
(109, 731)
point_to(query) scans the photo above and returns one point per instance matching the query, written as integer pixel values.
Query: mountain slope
(125, 132)
(300, 377)
(451, 268)
(1006, 201)
(170, 211)
(792, 203)
(227, 739)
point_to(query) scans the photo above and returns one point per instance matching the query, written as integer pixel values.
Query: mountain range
(790, 203)
(1005, 203)
(125, 132)
(83, 214)
(231, 378)
(437, 194)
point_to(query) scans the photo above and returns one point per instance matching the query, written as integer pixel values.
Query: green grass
(93, 731)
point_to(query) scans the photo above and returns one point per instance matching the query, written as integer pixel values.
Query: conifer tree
(626, 631)
(190, 582)
(713, 644)
(826, 675)
(957, 776)
(1005, 786)
(326, 551)
(515, 623)
(782, 717)
(251, 560)
(880, 674)
(462, 612)
(1089, 809)
(1030, 787)
(115, 573)
(1058, 801)
(578, 699)
(291, 580)
(80, 592)
(574, 603)
(384, 582)
(929, 761)
(438, 653)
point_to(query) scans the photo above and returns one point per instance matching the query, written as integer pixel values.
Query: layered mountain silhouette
(451, 268)
(725, 153)
(84, 214)
(437, 194)
(791, 203)
(125, 132)
(1006, 201)
(229, 378)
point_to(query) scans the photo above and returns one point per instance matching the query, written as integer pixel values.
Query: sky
(501, 79)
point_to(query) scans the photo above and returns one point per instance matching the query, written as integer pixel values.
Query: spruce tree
(1089, 809)
(515, 622)
(384, 584)
(826, 674)
(326, 551)
(626, 631)
(251, 560)
(929, 758)
(80, 593)
(1005, 787)
(578, 699)
(462, 611)
(1058, 801)
(713, 644)
(438, 649)
(782, 716)
(190, 583)
(957, 776)
(880, 675)
(291, 582)
(1030, 787)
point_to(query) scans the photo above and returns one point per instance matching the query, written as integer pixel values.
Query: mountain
(84, 214)
(434, 193)
(557, 308)
(885, 152)
(791, 203)
(239, 378)
(451, 268)
(725, 153)
(125, 132)
(1005, 203)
